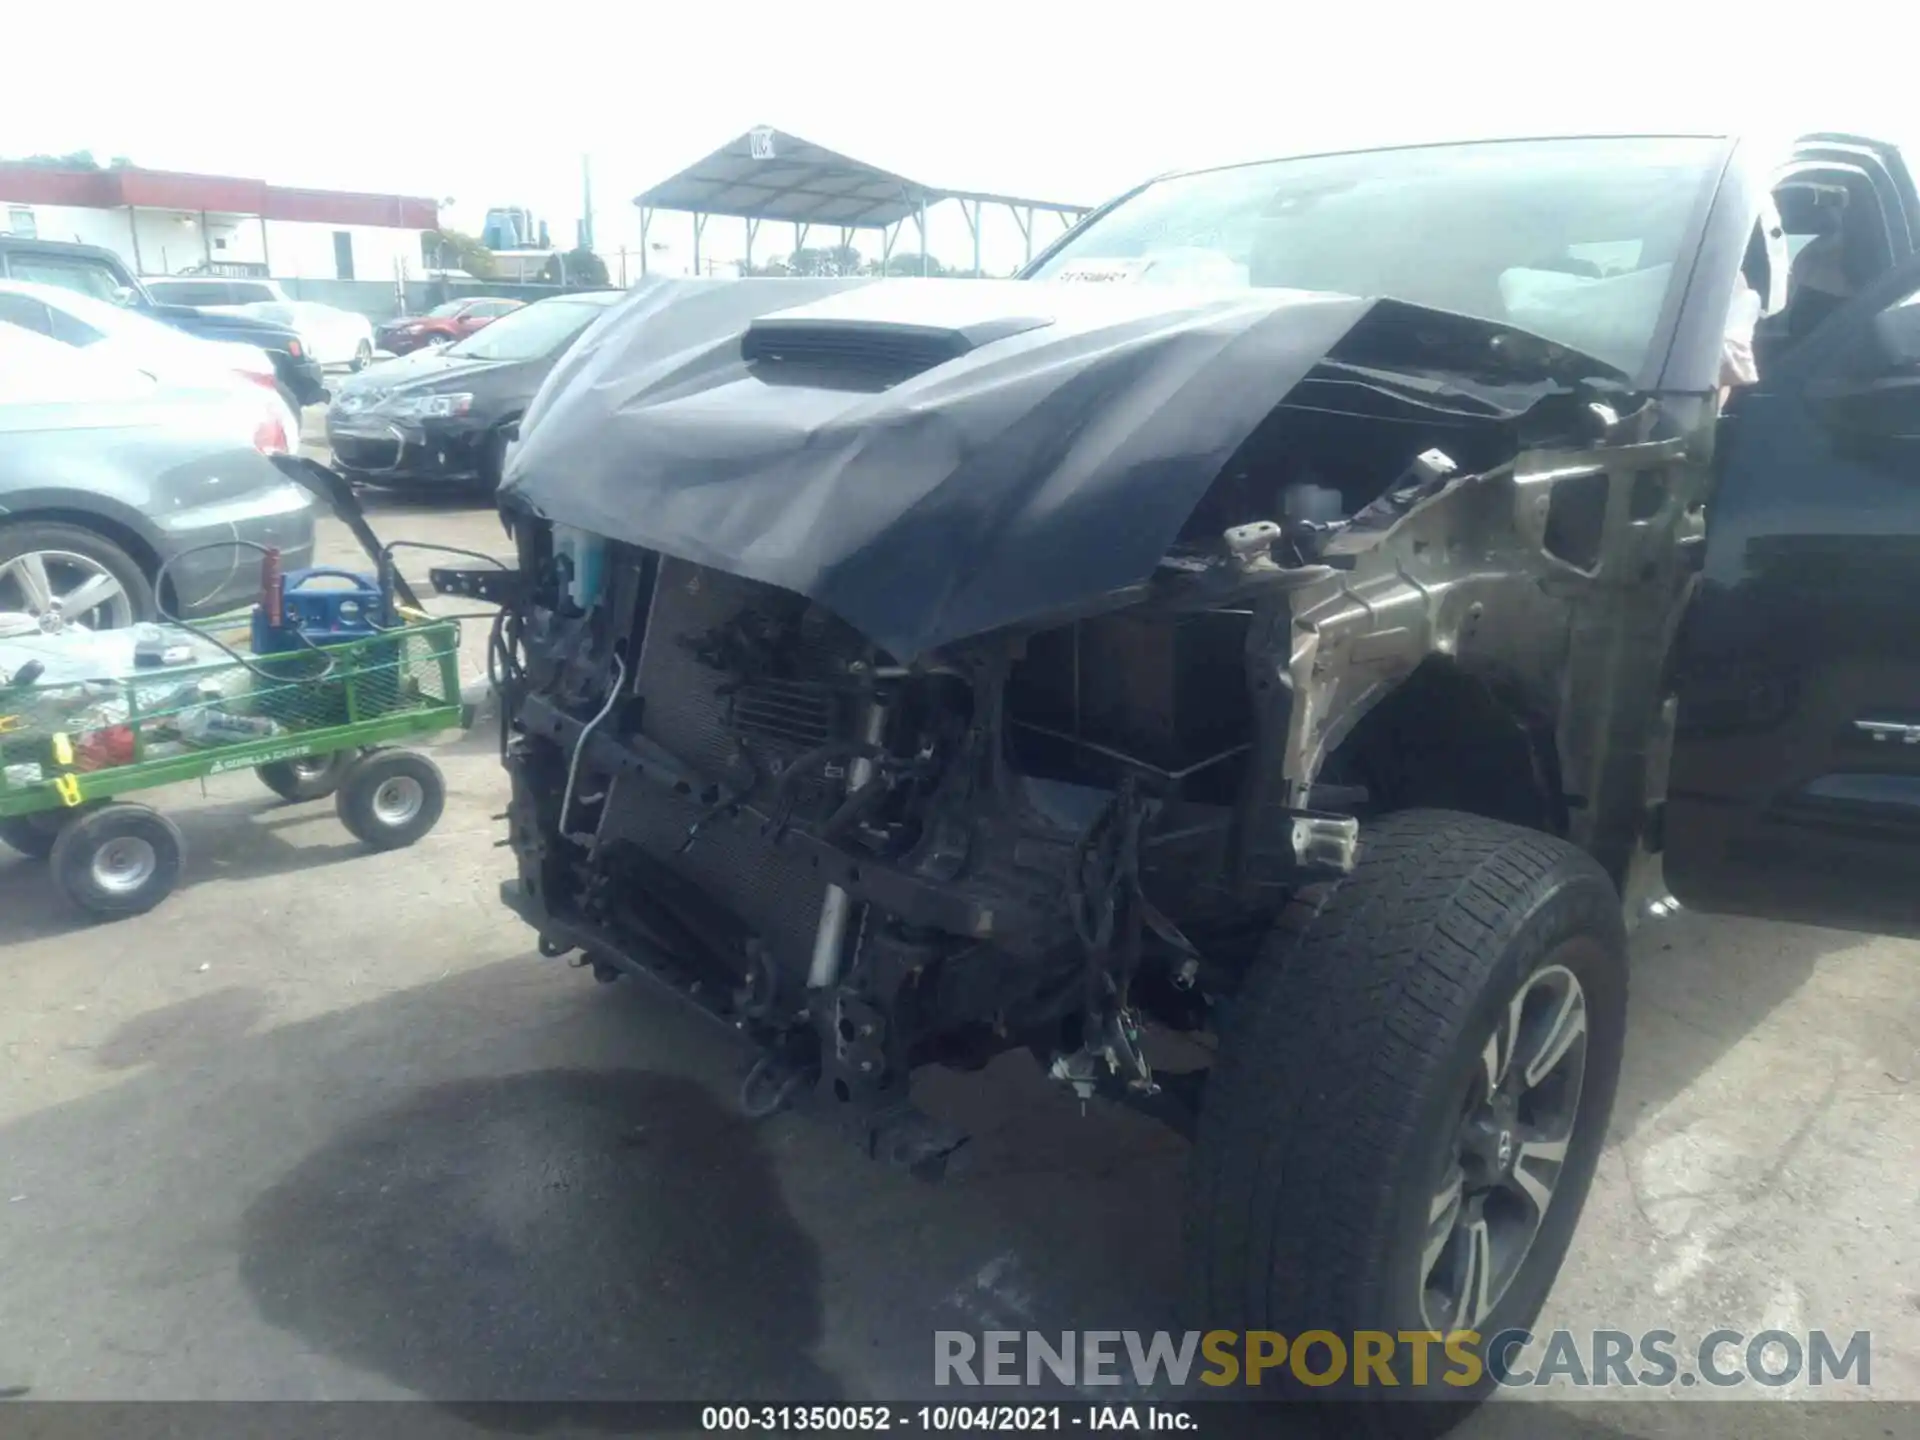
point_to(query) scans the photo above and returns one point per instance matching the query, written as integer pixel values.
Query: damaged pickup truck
(1308, 610)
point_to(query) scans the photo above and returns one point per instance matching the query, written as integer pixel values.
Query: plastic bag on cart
(79, 656)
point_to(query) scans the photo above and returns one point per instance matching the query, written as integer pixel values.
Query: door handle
(1886, 730)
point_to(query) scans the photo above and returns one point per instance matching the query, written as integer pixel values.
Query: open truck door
(1795, 787)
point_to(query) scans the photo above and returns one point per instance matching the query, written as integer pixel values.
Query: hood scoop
(870, 349)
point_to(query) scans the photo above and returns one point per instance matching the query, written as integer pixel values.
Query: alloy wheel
(62, 588)
(1516, 1123)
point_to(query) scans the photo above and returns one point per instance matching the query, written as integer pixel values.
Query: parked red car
(441, 325)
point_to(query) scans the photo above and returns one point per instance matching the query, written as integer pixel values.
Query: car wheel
(1409, 1102)
(64, 575)
(362, 355)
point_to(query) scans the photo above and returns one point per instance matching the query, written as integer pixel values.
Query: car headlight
(429, 406)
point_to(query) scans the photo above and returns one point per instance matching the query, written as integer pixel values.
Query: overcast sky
(1047, 98)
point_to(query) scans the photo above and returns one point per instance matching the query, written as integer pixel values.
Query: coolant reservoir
(585, 554)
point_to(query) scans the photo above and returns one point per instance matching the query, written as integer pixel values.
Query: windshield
(450, 309)
(178, 292)
(1575, 240)
(529, 333)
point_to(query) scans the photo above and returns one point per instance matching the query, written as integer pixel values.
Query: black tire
(24, 537)
(312, 777)
(390, 798)
(32, 835)
(118, 860)
(493, 461)
(1333, 1109)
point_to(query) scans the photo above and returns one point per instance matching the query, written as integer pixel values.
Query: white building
(164, 223)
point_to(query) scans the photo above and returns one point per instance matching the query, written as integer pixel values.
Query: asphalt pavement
(325, 1126)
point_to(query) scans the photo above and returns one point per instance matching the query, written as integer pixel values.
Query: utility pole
(586, 203)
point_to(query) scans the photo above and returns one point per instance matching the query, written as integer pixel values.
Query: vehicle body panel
(94, 271)
(1795, 788)
(116, 335)
(171, 469)
(1052, 463)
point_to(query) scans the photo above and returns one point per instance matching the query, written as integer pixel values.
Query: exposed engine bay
(1438, 568)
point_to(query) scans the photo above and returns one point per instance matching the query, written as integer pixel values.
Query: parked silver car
(106, 475)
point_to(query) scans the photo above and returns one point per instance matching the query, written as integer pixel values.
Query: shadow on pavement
(561, 1226)
(558, 1235)
(189, 1032)
(514, 1184)
(223, 842)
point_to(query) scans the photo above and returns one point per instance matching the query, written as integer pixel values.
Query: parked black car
(445, 414)
(1323, 654)
(94, 271)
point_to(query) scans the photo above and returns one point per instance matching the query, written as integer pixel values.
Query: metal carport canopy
(768, 174)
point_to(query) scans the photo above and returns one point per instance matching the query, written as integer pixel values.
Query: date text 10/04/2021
(944, 1419)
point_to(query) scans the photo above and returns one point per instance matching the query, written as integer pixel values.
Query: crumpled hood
(930, 459)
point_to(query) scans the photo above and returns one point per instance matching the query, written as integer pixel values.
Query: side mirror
(125, 295)
(1896, 334)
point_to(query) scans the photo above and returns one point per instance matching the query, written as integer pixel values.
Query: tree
(820, 261)
(72, 160)
(903, 263)
(577, 267)
(445, 249)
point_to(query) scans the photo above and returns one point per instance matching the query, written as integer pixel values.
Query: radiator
(771, 889)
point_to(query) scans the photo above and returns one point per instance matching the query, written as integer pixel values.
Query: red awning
(173, 190)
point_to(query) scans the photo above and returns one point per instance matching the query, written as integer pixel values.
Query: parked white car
(334, 337)
(120, 337)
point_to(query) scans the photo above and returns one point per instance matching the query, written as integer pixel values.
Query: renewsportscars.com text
(1597, 1359)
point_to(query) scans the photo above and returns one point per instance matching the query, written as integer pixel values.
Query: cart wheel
(390, 798)
(118, 860)
(311, 777)
(33, 835)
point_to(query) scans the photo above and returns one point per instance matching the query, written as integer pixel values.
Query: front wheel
(1411, 1094)
(118, 860)
(390, 798)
